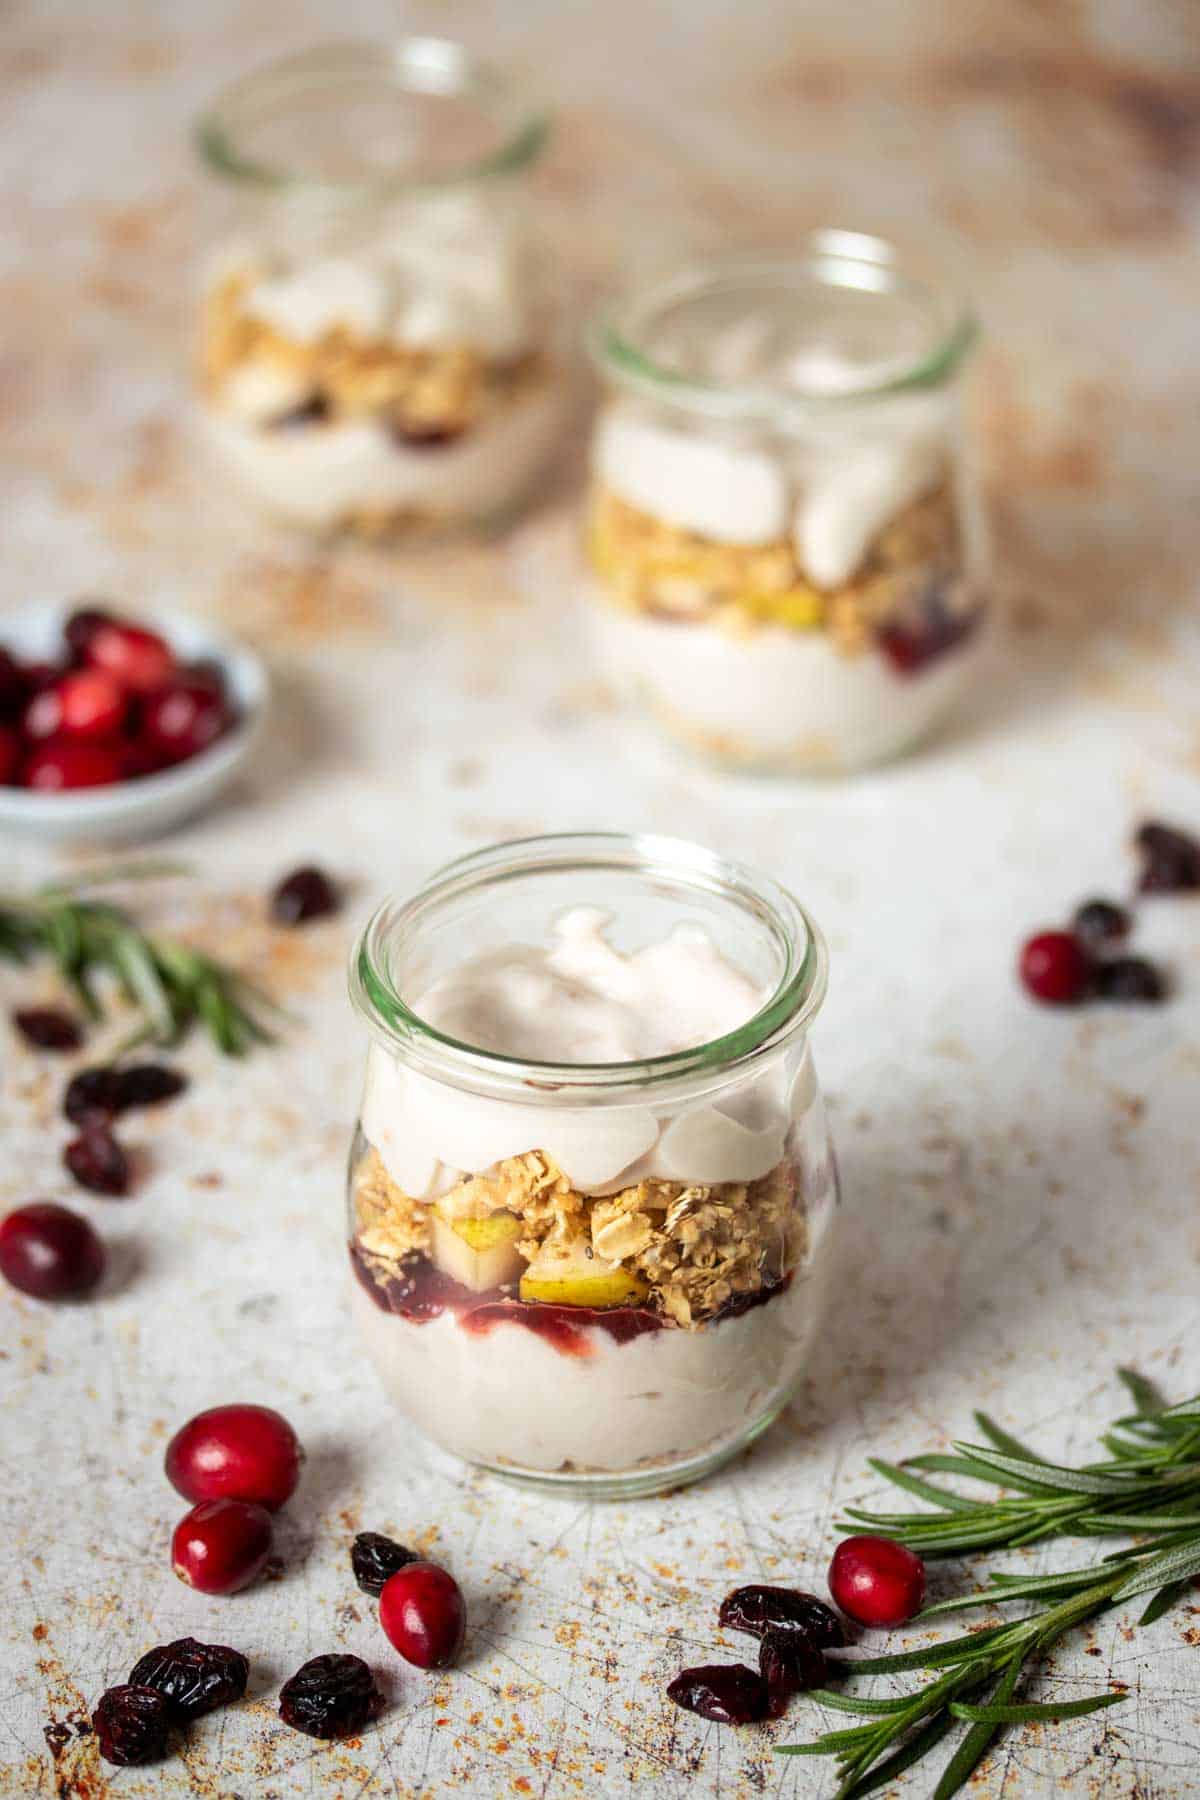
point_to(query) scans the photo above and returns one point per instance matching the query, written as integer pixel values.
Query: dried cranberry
(193, 1678)
(237, 1452)
(877, 1581)
(423, 1615)
(92, 1094)
(330, 1696)
(131, 1724)
(1170, 859)
(221, 1546)
(424, 437)
(306, 893)
(140, 660)
(375, 1559)
(1056, 968)
(1100, 922)
(789, 1662)
(48, 1027)
(96, 1161)
(82, 627)
(910, 648)
(66, 763)
(146, 1084)
(183, 719)
(50, 1252)
(729, 1693)
(759, 1609)
(1127, 979)
(313, 411)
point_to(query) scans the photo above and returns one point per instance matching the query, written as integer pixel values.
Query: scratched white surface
(1021, 1188)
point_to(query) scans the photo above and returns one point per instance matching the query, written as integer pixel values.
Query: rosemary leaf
(925, 1490)
(975, 1745)
(1003, 1714)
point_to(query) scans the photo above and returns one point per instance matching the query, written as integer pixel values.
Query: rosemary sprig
(171, 985)
(1149, 1485)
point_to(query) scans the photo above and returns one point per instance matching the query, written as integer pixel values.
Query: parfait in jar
(591, 1189)
(783, 543)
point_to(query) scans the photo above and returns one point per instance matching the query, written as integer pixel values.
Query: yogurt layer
(778, 696)
(582, 1001)
(512, 1399)
(321, 474)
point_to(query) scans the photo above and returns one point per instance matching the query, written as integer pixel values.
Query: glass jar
(783, 542)
(597, 1275)
(377, 337)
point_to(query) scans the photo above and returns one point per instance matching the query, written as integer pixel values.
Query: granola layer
(667, 572)
(694, 1250)
(423, 393)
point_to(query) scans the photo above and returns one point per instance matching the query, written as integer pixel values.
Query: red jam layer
(421, 1292)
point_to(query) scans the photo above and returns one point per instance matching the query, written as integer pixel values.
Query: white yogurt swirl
(582, 1001)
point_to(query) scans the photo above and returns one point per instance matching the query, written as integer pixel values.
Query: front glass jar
(783, 546)
(591, 1189)
(376, 345)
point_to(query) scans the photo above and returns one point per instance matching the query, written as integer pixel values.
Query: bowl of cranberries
(114, 728)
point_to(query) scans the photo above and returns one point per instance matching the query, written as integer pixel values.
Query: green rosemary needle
(171, 985)
(1149, 1485)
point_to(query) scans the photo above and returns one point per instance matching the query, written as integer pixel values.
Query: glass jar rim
(790, 1007)
(430, 66)
(834, 258)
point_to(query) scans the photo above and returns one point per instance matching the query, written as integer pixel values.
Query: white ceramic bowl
(129, 810)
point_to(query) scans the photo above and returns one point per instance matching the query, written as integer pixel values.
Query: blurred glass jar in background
(377, 329)
(785, 556)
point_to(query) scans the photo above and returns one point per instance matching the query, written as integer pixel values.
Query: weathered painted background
(1021, 1188)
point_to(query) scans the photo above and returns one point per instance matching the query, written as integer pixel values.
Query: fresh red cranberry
(1098, 923)
(93, 704)
(330, 1697)
(50, 1252)
(66, 763)
(876, 1581)
(422, 1613)
(48, 1027)
(221, 1546)
(140, 660)
(131, 1724)
(12, 683)
(10, 756)
(96, 1161)
(758, 1609)
(729, 1693)
(1056, 968)
(235, 1452)
(82, 626)
(140, 757)
(306, 893)
(1130, 980)
(183, 719)
(38, 675)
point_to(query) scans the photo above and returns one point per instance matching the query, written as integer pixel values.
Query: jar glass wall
(377, 346)
(596, 1274)
(783, 543)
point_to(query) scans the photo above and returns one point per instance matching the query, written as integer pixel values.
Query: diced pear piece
(481, 1253)
(566, 1276)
